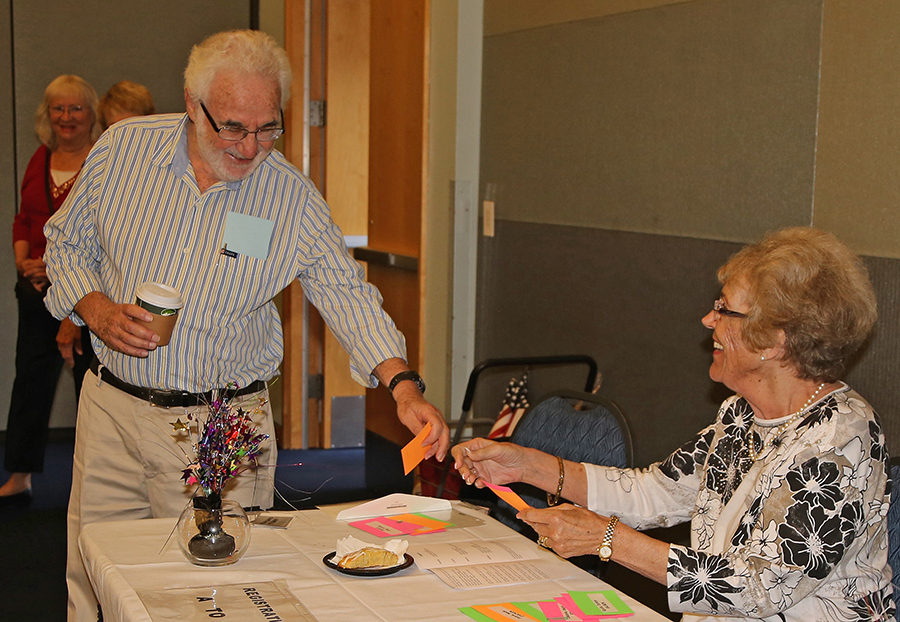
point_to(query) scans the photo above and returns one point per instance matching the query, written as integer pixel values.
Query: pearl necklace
(781, 429)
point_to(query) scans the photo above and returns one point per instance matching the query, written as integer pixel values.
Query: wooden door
(374, 164)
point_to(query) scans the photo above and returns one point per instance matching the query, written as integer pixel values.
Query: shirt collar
(174, 152)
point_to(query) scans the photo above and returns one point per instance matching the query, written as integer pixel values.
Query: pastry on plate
(353, 553)
(369, 557)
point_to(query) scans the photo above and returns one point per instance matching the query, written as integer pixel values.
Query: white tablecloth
(125, 556)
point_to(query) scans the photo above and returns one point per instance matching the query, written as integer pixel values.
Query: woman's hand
(68, 340)
(482, 462)
(569, 530)
(35, 271)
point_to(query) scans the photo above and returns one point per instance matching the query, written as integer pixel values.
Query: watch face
(605, 552)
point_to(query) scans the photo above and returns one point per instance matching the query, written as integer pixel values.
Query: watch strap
(605, 548)
(407, 375)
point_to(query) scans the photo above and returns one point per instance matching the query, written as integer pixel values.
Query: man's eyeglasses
(74, 110)
(720, 309)
(235, 134)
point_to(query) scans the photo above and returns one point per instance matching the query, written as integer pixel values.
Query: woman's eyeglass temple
(720, 309)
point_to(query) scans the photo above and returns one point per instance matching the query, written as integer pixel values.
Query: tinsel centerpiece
(213, 531)
(225, 443)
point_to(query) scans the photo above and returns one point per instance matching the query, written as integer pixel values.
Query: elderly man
(202, 203)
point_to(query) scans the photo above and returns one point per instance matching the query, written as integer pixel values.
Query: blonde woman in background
(66, 124)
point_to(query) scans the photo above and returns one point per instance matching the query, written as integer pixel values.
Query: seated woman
(785, 491)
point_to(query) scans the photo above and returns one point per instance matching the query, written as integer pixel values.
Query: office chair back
(598, 434)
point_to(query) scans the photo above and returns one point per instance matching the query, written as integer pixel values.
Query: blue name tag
(246, 235)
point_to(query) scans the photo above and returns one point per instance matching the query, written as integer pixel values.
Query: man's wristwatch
(407, 375)
(605, 549)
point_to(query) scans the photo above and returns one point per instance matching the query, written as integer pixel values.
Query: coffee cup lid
(160, 295)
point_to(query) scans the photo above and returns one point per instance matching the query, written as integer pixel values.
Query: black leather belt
(171, 399)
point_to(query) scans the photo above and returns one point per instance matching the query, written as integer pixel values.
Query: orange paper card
(414, 452)
(509, 496)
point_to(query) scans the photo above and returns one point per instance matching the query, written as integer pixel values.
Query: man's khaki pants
(128, 464)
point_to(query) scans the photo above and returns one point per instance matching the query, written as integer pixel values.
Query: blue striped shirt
(136, 214)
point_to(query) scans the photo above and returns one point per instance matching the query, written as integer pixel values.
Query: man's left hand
(414, 411)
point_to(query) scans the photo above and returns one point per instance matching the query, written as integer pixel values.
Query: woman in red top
(66, 124)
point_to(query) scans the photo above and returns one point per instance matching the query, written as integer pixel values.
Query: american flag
(514, 405)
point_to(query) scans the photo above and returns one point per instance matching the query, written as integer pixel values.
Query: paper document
(488, 575)
(446, 554)
(483, 563)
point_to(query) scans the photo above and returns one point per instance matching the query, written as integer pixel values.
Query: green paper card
(603, 603)
(531, 608)
(478, 617)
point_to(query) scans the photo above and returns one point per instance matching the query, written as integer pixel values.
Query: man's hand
(115, 324)
(68, 340)
(414, 411)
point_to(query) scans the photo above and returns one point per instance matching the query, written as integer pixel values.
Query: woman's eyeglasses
(73, 111)
(720, 309)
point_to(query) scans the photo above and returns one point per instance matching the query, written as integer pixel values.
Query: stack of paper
(483, 563)
(571, 606)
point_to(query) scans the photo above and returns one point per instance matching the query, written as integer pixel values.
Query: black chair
(893, 520)
(523, 362)
(581, 427)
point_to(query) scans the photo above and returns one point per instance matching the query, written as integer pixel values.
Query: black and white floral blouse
(798, 534)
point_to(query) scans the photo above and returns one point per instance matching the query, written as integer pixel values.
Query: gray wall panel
(694, 119)
(634, 302)
(105, 42)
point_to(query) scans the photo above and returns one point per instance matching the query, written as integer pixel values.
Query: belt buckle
(165, 399)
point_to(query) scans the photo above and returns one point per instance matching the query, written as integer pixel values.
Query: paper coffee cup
(164, 303)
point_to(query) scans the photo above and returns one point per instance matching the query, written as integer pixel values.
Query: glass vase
(213, 531)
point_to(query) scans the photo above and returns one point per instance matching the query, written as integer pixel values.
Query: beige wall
(693, 119)
(508, 15)
(857, 189)
(825, 137)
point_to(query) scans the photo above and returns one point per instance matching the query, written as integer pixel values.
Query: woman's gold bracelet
(554, 499)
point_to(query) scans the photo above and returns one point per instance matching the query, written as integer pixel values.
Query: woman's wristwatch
(605, 549)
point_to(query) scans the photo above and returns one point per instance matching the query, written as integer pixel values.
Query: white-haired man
(202, 203)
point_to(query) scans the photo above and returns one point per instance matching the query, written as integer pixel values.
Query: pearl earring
(763, 357)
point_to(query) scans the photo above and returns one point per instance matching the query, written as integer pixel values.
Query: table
(124, 557)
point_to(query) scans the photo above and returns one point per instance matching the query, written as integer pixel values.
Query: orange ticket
(414, 452)
(509, 496)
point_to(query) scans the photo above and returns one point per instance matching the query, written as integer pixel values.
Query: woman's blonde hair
(125, 96)
(807, 283)
(66, 84)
